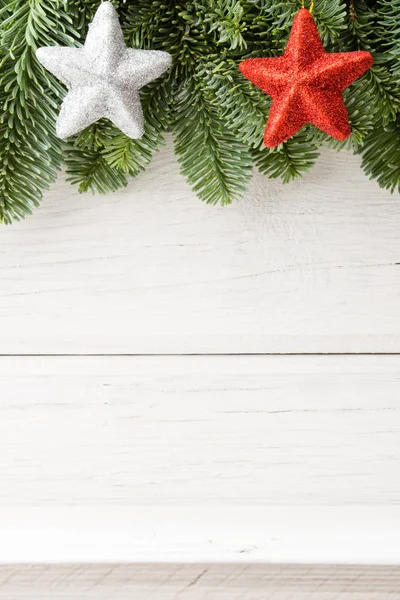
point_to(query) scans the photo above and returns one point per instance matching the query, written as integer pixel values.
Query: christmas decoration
(217, 117)
(306, 83)
(103, 77)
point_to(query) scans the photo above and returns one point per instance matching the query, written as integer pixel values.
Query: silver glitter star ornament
(103, 77)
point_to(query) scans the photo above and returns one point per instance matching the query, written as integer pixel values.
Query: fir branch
(83, 11)
(167, 26)
(329, 15)
(30, 153)
(389, 35)
(225, 18)
(385, 93)
(86, 165)
(90, 171)
(218, 117)
(361, 24)
(241, 105)
(381, 156)
(289, 160)
(132, 156)
(148, 24)
(216, 164)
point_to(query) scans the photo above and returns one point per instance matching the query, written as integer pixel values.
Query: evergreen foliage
(217, 117)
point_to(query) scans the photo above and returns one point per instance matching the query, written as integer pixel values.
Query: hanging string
(311, 5)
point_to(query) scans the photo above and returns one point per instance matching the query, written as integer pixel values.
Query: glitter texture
(306, 83)
(103, 77)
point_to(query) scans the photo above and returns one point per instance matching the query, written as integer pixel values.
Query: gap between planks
(199, 354)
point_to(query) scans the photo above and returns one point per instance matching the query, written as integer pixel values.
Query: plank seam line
(187, 354)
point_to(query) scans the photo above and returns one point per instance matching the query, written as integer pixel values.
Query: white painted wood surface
(308, 267)
(198, 582)
(198, 430)
(158, 455)
(201, 533)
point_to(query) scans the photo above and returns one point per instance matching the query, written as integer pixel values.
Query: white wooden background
(313, 266)
(103, 299)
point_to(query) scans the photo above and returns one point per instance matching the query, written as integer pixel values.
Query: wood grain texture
(308, 267)
(198, 430)
(198, 582)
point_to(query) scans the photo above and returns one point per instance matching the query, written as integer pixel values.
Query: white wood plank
(308, 267)
(220, 431)
(198, 582)
(202, 534)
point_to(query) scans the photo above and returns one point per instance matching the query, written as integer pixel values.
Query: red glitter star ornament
(306, 83)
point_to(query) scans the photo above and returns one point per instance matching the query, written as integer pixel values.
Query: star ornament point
(306, 83)
(103, 77)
